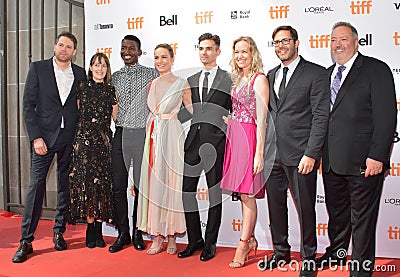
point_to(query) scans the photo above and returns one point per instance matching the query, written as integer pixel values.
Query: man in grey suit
(300, 109)
(51, 115)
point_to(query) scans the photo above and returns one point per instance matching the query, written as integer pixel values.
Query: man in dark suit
(357, 149)
(204, 146)
(51, 115)
(299, 109)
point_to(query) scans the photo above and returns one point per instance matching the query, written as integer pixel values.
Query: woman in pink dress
(244, 152)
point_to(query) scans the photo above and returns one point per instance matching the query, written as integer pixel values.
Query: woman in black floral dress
(91, 177)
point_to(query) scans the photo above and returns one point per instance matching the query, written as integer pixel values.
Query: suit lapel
(350, 78)
(53, 88)
(273, 99)
(195, 88)
(293, 79)
(214, 85)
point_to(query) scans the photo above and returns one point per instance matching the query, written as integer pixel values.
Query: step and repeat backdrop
(180, 23)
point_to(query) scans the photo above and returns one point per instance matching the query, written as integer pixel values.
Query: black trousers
(37, 188)
(303, 189)
(127, 147)
(353, 204)
(211, 162)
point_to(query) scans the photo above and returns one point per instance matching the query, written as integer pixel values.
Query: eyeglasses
(284, 41)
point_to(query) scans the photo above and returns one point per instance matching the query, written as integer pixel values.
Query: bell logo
(396, 38)
(135, 23)
(361, 7)
(106, 50)
(322, 229)
(365, 41)
(236, 225)
(202, 194)
(319, 41)
(102, 2)
(279, 12)
(394, 232)
(171, 21)
(203, 17)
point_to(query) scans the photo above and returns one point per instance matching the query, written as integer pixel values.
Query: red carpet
(81, 261)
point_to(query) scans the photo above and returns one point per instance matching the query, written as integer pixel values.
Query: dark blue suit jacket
(42, 104)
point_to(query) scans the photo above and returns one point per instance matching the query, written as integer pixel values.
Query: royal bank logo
(361, 7)
(100, 26)
(168, 21)
(318, 9)
(396, 38)
(320, 199)
(245, 14)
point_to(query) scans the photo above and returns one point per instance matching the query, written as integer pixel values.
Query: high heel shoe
(156, 246)
(241, 254)
(171, 248)
(253, 244)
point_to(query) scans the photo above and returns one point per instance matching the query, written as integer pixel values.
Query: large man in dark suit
(357, 149)
(51, 115)
(205, 145)
(299, 109)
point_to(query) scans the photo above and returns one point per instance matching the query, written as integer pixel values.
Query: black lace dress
(91, 176)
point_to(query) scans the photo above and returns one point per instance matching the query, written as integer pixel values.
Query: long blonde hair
(256, 63)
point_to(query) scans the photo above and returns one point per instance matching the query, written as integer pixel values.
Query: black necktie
(205, 87)
(283, 83)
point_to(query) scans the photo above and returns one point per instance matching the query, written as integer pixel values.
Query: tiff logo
(236, 225)
(396, 38)
(202, 194)
(135, 23)
(203, 17)
(322, 229)
(171, 21)
(361, 7)
(279, 12)
(395, 170)
(106, 50)
(394, 232)
(319, 41)
(103, 2)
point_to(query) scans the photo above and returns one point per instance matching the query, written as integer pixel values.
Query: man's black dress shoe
(308, 268)
(137, 240)
(327, 260)
(123, 239)
(21, 255)
(59, 242)
(208, 252)
(191, 248)
(274, 261)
